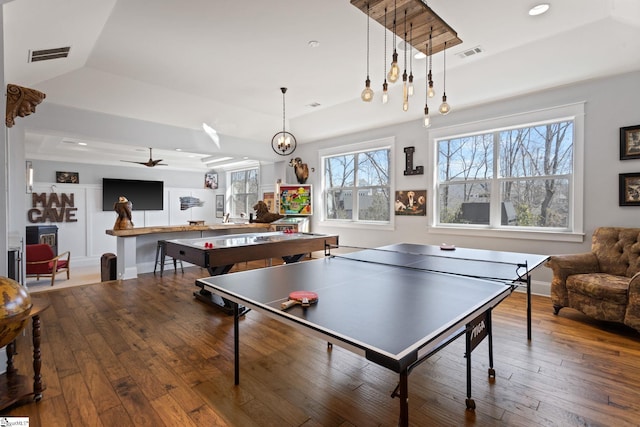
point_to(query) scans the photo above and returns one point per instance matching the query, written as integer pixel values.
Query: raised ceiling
(184, 63)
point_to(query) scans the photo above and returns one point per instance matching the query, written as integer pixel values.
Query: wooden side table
(14, 388)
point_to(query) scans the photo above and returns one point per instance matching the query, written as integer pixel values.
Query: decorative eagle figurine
(301, 170)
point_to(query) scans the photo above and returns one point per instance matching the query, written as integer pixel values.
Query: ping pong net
(430, 259)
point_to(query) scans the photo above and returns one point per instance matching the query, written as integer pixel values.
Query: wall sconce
(29, 176)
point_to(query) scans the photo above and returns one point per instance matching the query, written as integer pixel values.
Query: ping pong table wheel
(471, 404)
(492, 373)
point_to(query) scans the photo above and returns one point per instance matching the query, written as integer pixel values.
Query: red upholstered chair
(41, 261)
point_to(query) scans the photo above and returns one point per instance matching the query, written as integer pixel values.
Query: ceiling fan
(150, 163)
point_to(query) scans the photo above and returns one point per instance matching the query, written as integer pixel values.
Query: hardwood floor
(144, 352)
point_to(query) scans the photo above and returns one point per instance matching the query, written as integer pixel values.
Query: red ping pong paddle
(304, 298)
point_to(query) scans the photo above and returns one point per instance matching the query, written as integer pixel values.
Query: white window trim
(245, 167)
(573, 112)
(376, 144)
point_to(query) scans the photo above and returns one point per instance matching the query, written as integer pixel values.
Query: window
(520, 177)
(244, 191)
(356, 185)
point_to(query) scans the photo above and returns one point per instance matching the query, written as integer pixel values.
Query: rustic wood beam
(425, 21)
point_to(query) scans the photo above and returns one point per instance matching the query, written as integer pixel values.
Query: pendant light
(410, 88)
(431, 92)
(427, 120)
(367, 93)
(445, 108)
(394, 71)
(385, 86)
(283, 143)
(431, 33)
(405, 89)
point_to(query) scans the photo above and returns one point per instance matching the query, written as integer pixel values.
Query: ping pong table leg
(403, 387)
(529, 307)
(492, 372)
(293, 258)
(236, 342)
(471, 404)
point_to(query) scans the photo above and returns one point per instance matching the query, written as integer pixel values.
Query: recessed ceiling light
(214, 159)
(403, 45)
(539, 9)
(313, 43)
(68, 141)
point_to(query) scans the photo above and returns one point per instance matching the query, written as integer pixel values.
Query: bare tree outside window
(244, 191)
(527, 171)
(357, 186)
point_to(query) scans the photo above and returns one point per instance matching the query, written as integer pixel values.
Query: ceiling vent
(470, 52)
(46, 54)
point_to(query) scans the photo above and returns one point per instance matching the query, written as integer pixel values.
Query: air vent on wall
(470, 52)
(46, 54)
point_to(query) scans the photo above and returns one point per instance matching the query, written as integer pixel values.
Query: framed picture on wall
(630, 189)
(219, 205)
(411, 202)
(630, 142)
(211, 180)
(68, 177)
(269, 198)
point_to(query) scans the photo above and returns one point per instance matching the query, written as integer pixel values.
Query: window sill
(557, 236)
(361, 225)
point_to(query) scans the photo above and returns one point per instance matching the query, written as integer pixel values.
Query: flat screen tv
(144, 195)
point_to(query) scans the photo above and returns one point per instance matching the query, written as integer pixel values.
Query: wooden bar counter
(136, 246)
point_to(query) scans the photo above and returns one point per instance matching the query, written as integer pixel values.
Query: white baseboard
(537, 288)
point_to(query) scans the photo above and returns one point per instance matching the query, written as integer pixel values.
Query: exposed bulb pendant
(283, 143)
(367, 93)
(385, 86)
(410, 87)
(445, 108)
(405, 92)
(394, 71)
(426, 120)
(405, 89)
(431, 92)
(405, 95)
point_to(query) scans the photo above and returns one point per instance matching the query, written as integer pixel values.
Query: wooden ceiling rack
(424, 21)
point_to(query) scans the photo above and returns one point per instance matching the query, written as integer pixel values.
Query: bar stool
(161, 254)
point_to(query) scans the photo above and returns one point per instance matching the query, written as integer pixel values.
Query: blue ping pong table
(397, 305)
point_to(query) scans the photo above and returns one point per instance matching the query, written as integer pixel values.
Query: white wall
(609, 104)
(86, 238)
